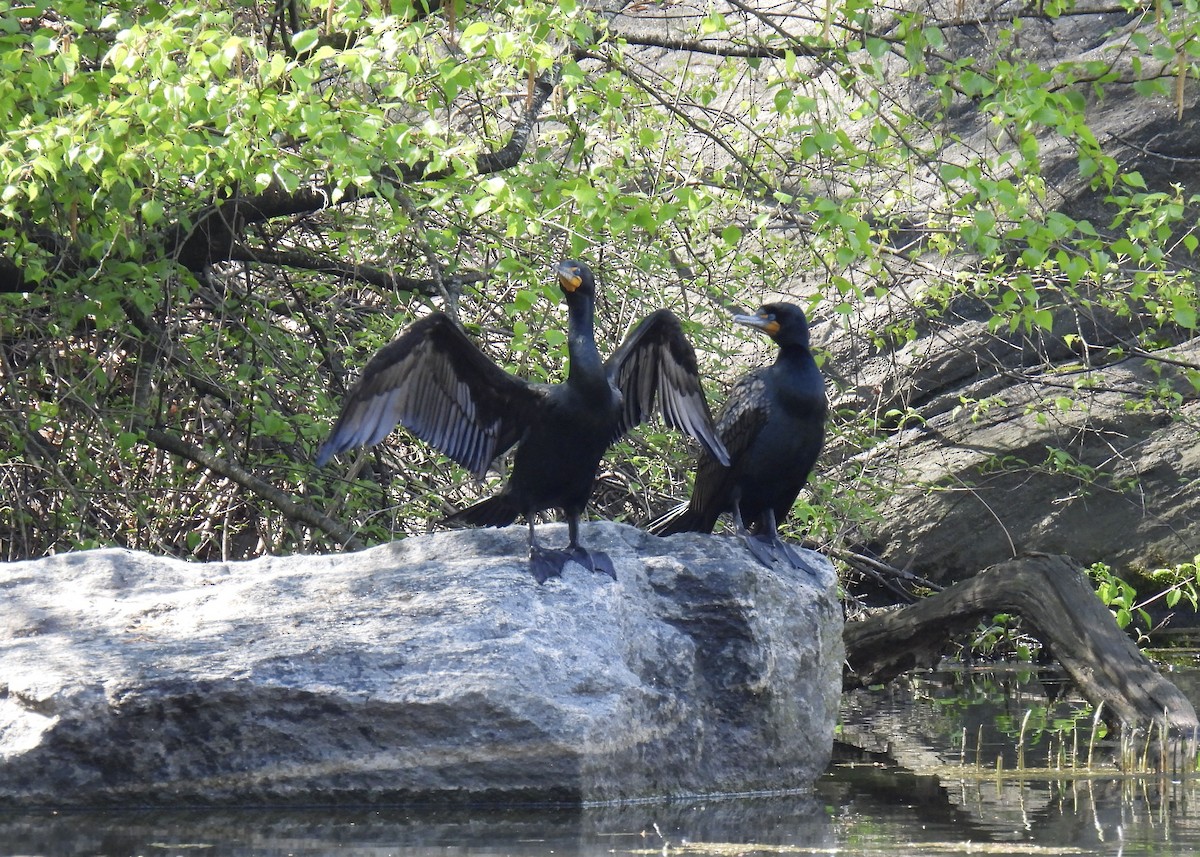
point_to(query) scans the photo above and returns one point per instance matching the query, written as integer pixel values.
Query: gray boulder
(1100, 481)
(430, 669)
(1081, 439)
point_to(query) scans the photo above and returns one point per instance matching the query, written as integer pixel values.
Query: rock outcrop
(430, 669)
(1098, 480)
(1063, 440)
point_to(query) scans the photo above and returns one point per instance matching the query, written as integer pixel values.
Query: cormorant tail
(682, 519)
(498, 511)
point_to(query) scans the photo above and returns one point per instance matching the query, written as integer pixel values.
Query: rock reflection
(780, 822)
(923, 767)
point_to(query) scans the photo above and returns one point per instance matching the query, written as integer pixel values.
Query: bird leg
(782, 548)
(544, 563)
(760, 546)
(594, 561)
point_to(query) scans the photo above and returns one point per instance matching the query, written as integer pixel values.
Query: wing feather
(745, 412)
(656, 362)
(437, 383)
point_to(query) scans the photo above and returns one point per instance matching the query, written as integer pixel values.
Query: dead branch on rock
(899, 581)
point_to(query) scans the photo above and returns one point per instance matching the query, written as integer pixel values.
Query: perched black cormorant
(437, 383)
(773, 425)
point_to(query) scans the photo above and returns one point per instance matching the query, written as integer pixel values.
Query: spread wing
(656, 361)
(436, 382)
(745, 412)
(741, 420)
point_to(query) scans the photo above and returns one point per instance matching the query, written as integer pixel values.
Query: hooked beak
(568, 276)
(765, 323)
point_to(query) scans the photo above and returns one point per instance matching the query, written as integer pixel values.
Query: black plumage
(773, 426)
(439, 385)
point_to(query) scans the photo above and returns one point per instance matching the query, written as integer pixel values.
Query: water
(905, 781)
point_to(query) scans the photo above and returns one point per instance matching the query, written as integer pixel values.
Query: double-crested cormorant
(437, 383)
(773, 425)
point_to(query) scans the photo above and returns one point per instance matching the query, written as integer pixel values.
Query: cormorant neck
(581, 339)
(794, 350)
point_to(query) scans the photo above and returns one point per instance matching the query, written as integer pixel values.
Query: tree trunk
(1058, 606)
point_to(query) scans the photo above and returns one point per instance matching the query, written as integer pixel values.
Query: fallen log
(1052, 595)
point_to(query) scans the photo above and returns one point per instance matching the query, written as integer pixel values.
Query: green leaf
(474, 36)
(305, 40)
(877, 47)
(152, 211)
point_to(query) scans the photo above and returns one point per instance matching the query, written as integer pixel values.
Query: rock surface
(1099, 481)
(431, 669)
(1060, 440)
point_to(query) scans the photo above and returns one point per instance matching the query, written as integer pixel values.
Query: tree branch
(306, 261)
(153, 332)
(719, 48)
(63, 253)
(1053, 597)
(214, 233)
(230, 470)
(12, 276)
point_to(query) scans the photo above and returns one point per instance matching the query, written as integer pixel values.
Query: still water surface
(905, 782)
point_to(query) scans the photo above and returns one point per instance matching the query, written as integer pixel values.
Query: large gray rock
(429, 669)
(1099, 481)
(1062, 441)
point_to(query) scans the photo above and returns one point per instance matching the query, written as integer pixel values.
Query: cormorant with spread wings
(439, 385)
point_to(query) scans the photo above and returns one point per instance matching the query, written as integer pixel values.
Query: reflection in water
(904, 782)
(1096, 816)
(790, 821)
(1007, 757)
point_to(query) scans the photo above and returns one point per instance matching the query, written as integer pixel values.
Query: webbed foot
(763, 548)
(792, 556)
(597, 562)
(545, 563)
(769, 550)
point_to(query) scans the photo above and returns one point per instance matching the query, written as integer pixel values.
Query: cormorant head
(785, 323)
(576, 278)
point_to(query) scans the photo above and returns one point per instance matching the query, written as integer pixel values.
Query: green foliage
(1180, 582)
(1001, 639)
(1121, 598)
(211, 216)
(1173, 587)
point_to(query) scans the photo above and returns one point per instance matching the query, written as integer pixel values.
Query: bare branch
(307, 261)
(719, 48)
(1160, 358)
(230, 470)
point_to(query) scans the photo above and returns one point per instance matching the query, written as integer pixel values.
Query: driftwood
(1058, 606)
